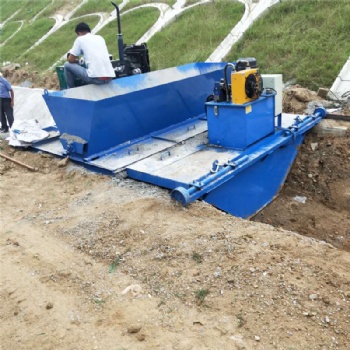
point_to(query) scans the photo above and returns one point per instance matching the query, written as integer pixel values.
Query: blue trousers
(75, 70)
(6, 113)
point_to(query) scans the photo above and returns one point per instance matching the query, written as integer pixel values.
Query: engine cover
(246, 86)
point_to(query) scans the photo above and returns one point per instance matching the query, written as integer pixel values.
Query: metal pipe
(186, 196)
(225, 79)
(118, 16)
(119, 36)
(225, 169)
(201, 187)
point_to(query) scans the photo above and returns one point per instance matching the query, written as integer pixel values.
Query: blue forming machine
(210, 131)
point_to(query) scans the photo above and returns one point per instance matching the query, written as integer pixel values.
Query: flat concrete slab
(341, 84)
(331, 127)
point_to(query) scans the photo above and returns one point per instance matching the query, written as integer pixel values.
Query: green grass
(93, 6)
(197, 258)
(241, 320)
(194, 35)
(53, 8)
(9, 7)
(6, 31)
(24, 39)
(191, 2)
(114, 264)
(305, 40)
(30, 8)
(201, 294)
(55, 46)
(309, 45)
(99, 301)
(133, 24)
(134, 3)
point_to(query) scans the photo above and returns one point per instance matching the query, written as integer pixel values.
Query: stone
(134, 329)
(322, 92)
(63, 162)
(313, 296)
(141, 337)
(314, 146)
(330, 127)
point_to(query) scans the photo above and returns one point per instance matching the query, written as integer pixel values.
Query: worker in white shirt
(98, 67)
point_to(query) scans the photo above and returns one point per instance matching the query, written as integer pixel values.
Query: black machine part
(220, 92)
(227, 87)
(119, 35)
(133, 59)
(222, 89)
(253, 85)
(246, 63)
(136, 61)
(138, 56)
(254, 82)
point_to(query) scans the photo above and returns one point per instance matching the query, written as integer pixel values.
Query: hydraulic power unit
(239, 120)
(245, 85)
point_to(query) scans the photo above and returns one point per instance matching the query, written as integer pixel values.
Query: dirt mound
(106, 263)
(296, 98)
(27, 77)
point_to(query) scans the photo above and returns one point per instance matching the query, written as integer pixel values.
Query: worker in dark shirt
(7, 98)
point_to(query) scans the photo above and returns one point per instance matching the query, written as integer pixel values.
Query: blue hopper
(190, 129)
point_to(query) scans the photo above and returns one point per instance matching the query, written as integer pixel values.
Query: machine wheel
(181, 195)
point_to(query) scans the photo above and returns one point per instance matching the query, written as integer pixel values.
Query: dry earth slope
(94, 262)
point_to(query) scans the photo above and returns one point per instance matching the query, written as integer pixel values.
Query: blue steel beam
(198, 188)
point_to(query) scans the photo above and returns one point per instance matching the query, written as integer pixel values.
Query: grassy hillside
(305, 40)
(195, 34)
(24, 39)
(134, 25)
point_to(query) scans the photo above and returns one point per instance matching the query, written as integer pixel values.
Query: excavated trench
(315, 200)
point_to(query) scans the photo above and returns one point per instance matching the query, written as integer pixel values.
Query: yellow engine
(246, 85)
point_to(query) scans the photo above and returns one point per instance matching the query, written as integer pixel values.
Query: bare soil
(96, 262)
(27, 77)
(321, 178)
(315, 200)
